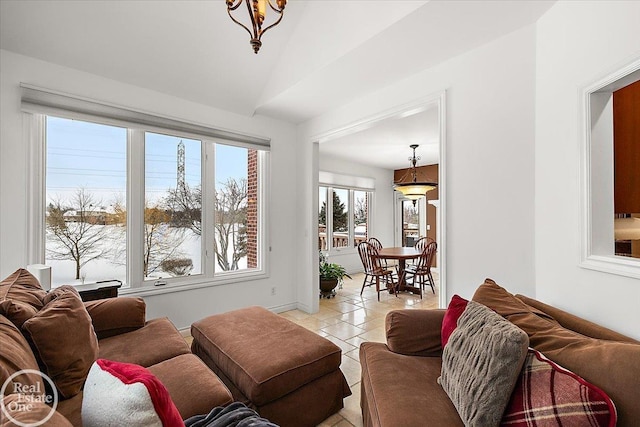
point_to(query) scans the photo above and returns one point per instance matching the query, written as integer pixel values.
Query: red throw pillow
(548, 395)
(450, 321)
(118, 393)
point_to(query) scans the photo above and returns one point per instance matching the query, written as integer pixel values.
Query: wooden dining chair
(419, 245)
(373, 270)
(385, 264)
(421, 270)
(422, 242)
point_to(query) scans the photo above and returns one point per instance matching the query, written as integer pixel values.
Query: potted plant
(331, 275)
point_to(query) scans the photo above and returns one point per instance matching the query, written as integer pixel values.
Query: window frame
(34, 126)
(351, 247)
(596, 175)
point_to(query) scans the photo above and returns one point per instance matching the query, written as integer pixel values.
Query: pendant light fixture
(414, 190)
(257, 11)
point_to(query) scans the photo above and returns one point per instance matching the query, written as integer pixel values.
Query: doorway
(343, 151)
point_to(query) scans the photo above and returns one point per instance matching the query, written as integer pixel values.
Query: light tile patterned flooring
(349, 320)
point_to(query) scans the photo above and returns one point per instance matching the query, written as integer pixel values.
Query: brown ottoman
(288, 374)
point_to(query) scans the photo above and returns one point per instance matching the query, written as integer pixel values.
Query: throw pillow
(547, 395)
(124, 394)
(64, 342)
(450, 321)
(20, 297)
(481, 364)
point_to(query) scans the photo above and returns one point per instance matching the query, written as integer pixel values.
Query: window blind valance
(43, 101)
(356, 182)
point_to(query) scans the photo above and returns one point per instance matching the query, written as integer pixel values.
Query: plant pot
(327, 287)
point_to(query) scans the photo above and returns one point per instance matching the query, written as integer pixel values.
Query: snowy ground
(63, 272)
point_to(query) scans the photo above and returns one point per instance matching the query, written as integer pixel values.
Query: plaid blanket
(547, 395)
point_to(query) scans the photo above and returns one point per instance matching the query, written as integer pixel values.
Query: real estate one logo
(28, 398)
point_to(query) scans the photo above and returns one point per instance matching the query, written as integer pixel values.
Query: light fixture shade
(415, 190)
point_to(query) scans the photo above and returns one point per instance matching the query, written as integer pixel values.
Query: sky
(93, 156)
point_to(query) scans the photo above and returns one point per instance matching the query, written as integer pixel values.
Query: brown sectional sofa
(399, 379)
(125, 335)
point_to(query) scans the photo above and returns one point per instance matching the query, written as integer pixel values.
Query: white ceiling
(386, 143)
(322, 55)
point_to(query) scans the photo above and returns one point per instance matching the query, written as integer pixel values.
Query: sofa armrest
(115, 316)
(29, 413)
(415, 332)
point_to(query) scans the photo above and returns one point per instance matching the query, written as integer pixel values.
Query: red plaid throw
(547, 395)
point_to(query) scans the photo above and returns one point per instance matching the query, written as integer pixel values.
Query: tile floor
(350, 319)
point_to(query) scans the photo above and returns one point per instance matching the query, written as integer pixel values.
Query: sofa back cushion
(611, 365)
(64, 341)
(20, 296)
(576, 323)
(16, 355)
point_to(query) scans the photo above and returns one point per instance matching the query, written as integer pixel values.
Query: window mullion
(208, 209)
(135, 206)
(35, 131)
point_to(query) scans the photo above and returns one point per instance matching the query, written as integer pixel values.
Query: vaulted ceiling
(322, 55)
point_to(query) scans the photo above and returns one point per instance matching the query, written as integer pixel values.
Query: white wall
(381, 217)
(577, 44)
(489, 163)
(182, 307)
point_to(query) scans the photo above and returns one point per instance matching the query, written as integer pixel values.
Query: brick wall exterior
(252, 209)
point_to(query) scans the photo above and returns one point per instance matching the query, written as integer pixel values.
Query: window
(610, 222)
(172, 208)
(347, 224)
(145, 204)
(86, 181)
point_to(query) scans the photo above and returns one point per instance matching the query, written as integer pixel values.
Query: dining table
(401, 254)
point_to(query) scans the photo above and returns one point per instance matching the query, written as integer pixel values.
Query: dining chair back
(422, 242)
(421, 270)
(373, 269)
(378, 245)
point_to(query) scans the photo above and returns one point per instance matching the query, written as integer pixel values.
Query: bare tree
(161, 241)
(76, 232)
(230, 223)
(360, 214)
(185, 206)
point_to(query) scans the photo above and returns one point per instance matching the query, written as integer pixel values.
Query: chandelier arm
(274, 8)
(252, 14)
(238, 22)
(231, 6)
(272, 25)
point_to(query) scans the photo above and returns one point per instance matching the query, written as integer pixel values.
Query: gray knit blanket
(235, 415)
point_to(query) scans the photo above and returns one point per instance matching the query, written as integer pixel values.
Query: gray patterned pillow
(481, 364)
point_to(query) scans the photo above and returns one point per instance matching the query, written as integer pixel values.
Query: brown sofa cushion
(613, 366)
(414, 332)
(36, 413)
(64, 341)
(16, 355)
(576, 323)
(241, 344)
(20, 296)
(481, 364)
(115, 316)
(182, 376)
(158, 340)
(400, 390)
